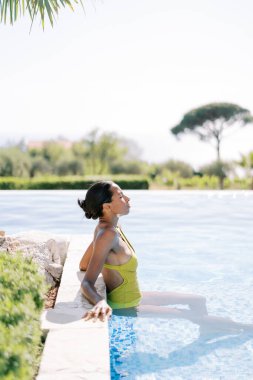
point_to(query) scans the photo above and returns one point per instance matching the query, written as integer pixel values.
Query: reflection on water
(122, 345)
(162, 349)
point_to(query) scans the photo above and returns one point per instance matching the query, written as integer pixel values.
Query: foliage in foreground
(10, 11)
(22, 291)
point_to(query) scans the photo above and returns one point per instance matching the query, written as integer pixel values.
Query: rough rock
(47, 250)
(55, 270)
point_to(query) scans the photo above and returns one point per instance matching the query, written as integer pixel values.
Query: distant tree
(89, 145)
(76, 167)
(106, 153)
(212, 121)
(53, 157)
(39, 166)
(96, 153)
(11, 10)
(219, 169)
(66, 166)
(52, 151)
(14, 162)
(174, 167)
(49, 150)
(129, 167)
(182, 168)
(79, 150)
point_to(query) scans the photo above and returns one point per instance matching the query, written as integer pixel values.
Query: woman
(111, 253)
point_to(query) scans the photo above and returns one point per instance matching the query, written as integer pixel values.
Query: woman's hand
(101, 310)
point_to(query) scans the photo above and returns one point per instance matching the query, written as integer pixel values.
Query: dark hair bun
(83, 205)
(96, 195)
(88, 215)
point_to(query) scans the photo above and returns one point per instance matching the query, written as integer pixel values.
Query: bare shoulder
(106, 234)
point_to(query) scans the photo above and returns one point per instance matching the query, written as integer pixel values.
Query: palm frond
(10, 10)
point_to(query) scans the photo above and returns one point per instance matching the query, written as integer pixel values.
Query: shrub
(69, 183)
(204, 182)
(22, 291)
(183, 169)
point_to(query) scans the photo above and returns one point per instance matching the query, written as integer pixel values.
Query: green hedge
(212, 182)
(134, 182)
(22, 291)
(69, 183)
(205, 183)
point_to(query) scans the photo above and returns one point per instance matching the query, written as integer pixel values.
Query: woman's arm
(101, 248)
(83, 265)
(86, 257)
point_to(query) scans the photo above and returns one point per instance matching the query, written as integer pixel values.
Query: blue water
(194, 242)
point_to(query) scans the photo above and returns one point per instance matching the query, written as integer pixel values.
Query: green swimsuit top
(128, 293)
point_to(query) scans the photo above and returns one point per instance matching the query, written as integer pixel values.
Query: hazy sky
(134, 67)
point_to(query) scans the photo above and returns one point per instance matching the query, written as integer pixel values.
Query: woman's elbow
(86, 288)
(86, 284)
(82, 266)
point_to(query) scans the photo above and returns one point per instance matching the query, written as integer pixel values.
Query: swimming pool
(195, 242)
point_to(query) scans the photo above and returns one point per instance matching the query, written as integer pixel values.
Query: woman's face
(120, 202)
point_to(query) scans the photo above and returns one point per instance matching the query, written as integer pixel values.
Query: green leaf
(10, 10)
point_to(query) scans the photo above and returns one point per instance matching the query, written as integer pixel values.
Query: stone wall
(47, 250)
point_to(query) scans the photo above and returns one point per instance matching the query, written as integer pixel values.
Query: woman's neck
(111, 220)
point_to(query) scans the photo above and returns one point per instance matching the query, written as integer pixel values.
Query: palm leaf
(10, 10)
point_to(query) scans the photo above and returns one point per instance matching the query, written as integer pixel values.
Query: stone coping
(74, 349)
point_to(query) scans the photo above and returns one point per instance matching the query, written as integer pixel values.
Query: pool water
(186, 241)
